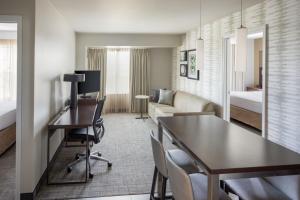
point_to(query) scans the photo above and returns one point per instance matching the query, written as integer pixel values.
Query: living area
(152, 115)
(130, 65)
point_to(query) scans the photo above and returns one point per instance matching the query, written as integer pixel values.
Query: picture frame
(183, 70)
(192, 71)
(183, 56)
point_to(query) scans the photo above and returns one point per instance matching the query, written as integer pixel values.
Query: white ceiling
(143, 16)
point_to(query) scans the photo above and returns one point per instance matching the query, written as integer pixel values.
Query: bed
(246, 107)
(7, 124)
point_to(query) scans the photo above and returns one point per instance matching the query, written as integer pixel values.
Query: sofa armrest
(193, 113)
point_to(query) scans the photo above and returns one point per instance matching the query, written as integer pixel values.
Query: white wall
(26, 9)
(84, 40)
(284, 52)
(54, 56)
(161, 68)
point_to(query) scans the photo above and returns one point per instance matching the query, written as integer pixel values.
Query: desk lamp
(74, 79)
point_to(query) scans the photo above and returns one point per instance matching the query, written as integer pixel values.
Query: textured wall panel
(284, 64)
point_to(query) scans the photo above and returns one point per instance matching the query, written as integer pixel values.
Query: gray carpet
(127, 144)
(8, 174)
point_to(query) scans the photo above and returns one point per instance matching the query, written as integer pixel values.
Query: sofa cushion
(255, 189)
(166, 97)
(156, 105)
(165, 111)
(191, 103)
(289, 185)
(154, 95)
(151, 109)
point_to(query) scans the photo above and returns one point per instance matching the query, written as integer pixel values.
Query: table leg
(160, 177)
(87, 154)
(213, 187)
(48, 151)
(141, 108)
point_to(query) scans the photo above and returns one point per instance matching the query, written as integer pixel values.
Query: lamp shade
(241, 49)
(74, 77)
(200, 53)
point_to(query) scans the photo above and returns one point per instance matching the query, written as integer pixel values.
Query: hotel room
(137, 99)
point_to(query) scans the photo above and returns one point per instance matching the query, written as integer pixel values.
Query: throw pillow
(155, 95)
(166, 97)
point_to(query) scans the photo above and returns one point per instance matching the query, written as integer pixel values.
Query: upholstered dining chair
(187, 186)
(256, 189)
(180, 157)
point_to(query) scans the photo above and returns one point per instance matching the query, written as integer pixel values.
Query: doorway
(245, 92)
(10, 107)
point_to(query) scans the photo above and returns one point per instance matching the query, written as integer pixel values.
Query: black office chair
(95, 134)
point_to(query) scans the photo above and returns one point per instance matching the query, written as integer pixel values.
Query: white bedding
(7, 113)
(249, 100)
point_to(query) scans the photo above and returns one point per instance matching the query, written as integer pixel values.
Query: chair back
(159, 155)
(98, 126)
(180, 182)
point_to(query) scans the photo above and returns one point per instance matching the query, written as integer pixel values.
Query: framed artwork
(183, 56)
(183, 70)
(192, 72)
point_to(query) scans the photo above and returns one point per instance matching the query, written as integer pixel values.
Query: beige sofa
(183, 104)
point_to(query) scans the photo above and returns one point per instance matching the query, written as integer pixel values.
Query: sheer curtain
(117, 81)
(237, 78)
(8, 69)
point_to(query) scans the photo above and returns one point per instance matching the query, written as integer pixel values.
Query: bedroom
(246, 83)
(8, 93)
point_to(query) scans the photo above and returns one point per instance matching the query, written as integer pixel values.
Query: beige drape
(97, 61)
(139, 77)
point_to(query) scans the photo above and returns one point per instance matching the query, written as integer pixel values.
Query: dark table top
(81, 117)
(222, 147)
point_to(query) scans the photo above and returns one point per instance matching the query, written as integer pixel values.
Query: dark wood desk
(226, 151)
(82, 117)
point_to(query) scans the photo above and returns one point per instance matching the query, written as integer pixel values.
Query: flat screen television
(91, 83)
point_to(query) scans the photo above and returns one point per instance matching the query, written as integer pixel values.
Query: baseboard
(33, 195)
(26, 196)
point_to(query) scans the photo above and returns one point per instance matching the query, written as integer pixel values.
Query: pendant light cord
(200, 19)
(241, 13)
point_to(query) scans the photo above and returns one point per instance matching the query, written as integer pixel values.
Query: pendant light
(200, 44)
(241, 46)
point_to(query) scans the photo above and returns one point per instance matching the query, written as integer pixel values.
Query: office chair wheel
(69, 169)
(91, 175)
(109, 165)
(99, 154)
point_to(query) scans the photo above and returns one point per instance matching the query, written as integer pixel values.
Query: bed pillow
(166, 97)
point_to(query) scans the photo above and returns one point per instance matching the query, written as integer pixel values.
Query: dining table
(225, 151)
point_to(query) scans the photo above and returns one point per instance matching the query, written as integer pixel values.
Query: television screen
(91, 83)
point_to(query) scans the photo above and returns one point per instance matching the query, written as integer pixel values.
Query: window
(8, 69)
(117, 80)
